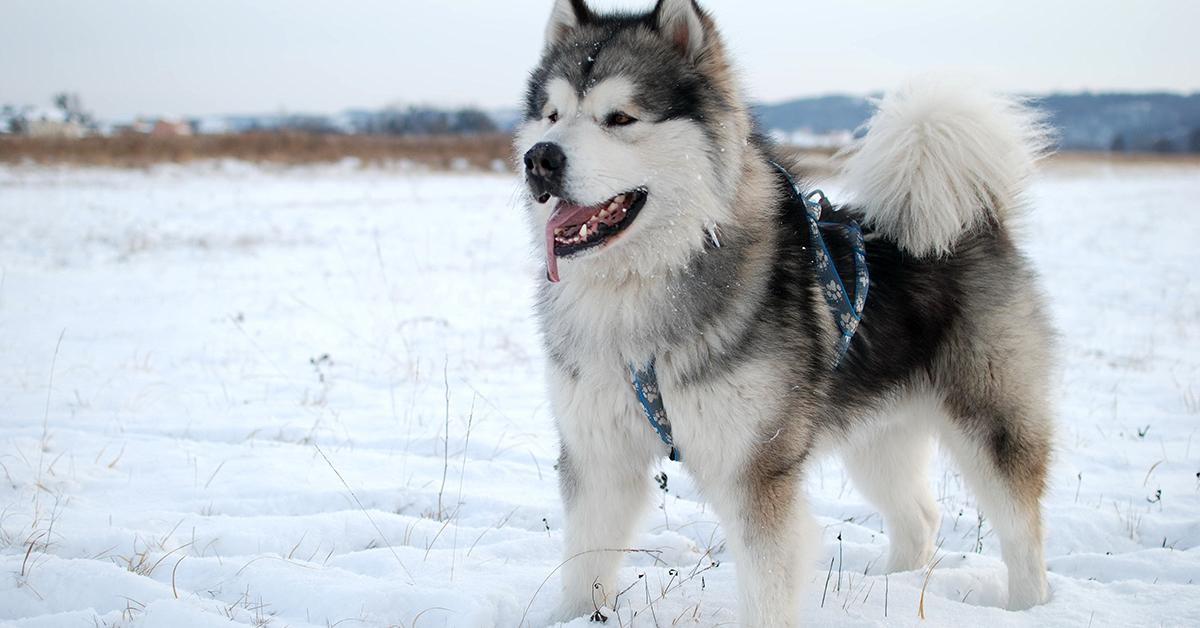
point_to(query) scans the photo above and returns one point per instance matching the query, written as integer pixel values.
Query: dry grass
(285, 148)
(438, 152)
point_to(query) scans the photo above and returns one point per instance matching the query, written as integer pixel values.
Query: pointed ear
(566, 17)
(679, 21)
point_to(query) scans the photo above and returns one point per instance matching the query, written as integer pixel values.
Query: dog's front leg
(605, 480)
(767, 527)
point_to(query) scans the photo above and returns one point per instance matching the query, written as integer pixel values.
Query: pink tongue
(564, 214)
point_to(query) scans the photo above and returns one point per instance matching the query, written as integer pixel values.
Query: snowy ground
(224, 398)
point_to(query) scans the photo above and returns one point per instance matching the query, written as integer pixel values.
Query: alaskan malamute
(675, 245)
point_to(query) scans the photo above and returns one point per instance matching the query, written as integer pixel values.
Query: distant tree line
(392, 121)
(68, 110)
(13, 119)
(426, 121)
(71, 107)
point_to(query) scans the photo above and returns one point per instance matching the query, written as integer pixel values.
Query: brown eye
(553, 117)
(620, 118)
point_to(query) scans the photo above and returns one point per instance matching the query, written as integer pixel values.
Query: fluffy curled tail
(938, 161)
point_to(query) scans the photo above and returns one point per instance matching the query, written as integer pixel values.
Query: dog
(672, 237)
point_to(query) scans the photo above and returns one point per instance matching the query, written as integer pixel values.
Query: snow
(225, 389)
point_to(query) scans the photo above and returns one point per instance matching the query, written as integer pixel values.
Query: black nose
(545, 160)
(545, 164)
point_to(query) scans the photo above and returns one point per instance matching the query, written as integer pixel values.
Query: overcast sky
(128, 57)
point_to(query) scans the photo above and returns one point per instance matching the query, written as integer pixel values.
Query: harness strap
(645, 385)
(847, 311)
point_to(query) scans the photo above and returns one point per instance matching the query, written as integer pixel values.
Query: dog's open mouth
(575, 228)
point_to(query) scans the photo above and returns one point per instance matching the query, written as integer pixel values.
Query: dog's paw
(1026, 595)
(569, 610)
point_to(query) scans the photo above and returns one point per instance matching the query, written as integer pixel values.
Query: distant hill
(1126, 122)
(826, 114)
(1155, 122)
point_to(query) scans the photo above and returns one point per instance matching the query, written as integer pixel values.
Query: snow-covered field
(313, 397)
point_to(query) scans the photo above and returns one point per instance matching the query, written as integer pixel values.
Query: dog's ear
(567, 16)
(682, 23)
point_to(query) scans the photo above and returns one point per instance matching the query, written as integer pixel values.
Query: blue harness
(846, 310)
(645, 386)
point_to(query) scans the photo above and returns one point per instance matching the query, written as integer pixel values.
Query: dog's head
(632, 137)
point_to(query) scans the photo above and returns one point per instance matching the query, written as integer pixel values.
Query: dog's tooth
(583, 232)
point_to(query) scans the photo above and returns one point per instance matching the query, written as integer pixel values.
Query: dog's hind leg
(994, 377)
(889, 465)
(1002, 446)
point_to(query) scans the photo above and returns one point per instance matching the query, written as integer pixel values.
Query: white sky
(127, 57)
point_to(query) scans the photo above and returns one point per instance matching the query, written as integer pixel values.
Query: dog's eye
(619, 118)
(553, 117)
